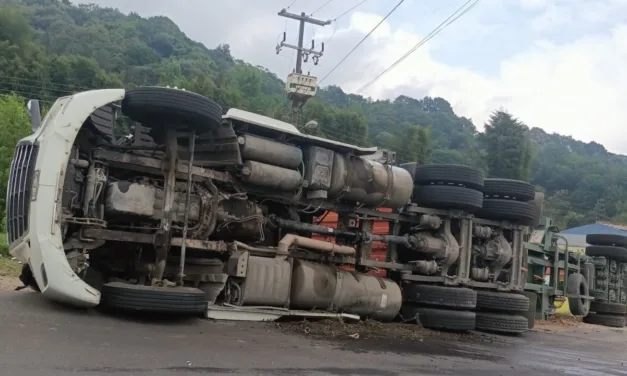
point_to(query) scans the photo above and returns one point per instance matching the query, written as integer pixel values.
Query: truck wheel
(161, 107)
(28, 279)
(606, 239)
(609, 251)
(449, 174)
(502, 301)
(577, 285)
(411, 168)
(507, 210)
(500, 323)
(608, 308)
(605, 320)
(530, 313)
(171, 300)
(448, 197)
(442, 296)
(441, 319)
(538, 206)
(509, 189)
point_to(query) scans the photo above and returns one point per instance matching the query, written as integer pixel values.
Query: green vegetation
(4, 247)
(50, 48)
(9, 267)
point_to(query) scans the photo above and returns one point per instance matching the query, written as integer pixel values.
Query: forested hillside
(50, 48)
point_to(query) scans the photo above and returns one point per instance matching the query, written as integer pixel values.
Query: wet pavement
(41, 338)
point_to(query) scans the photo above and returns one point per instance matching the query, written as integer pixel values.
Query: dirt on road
(9, 271)
(337, 329)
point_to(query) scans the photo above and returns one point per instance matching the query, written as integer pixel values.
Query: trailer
(554, 272)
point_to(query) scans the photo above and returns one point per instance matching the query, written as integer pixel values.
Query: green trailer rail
(544, 252)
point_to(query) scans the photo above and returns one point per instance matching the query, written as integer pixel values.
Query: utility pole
(301, 87)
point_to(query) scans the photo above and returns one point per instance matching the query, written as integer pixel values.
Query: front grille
(19, 190)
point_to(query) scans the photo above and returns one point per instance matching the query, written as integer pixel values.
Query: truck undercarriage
(198, 208)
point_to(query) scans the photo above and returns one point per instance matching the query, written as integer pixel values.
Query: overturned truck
(195, 209)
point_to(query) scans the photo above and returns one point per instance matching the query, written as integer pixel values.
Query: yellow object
(562, 308)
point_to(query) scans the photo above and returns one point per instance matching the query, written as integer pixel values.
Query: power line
(452, 18)
(340, 16)
(322, 6)
(293, 2)
(350, 10)
(362, 40)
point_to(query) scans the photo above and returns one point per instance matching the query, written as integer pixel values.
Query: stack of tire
(509, 200)
(442, 186)
(503, 312)
(447, 187)
(440, 307)
(613, 248)
(507, 312)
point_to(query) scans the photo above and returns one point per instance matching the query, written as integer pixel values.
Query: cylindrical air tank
(271, 177)
(268, 151)
(324, 287)
(368, 182)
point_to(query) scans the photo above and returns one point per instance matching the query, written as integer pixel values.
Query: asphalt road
(41, 338)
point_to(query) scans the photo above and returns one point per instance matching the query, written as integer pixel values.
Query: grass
(8, 267)
(4, 246)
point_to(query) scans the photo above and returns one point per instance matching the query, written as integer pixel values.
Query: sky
(560, 65)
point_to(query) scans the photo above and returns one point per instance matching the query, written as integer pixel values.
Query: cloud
(575, 86)
(574, 89)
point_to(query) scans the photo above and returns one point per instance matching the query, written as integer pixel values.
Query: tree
(507, 146)
(14, 125)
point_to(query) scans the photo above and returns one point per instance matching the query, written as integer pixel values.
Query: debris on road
(9, 283)
(561, 323)
(336, 329)
(9, 272)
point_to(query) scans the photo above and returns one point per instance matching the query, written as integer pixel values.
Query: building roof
(595, 228)
(574, 240)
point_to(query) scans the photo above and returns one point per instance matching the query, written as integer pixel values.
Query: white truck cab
(34, 192)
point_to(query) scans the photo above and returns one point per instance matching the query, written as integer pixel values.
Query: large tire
(160, 107)
(102, 121)
(28, 279)
(507, 210)
(441, 296)
(502, 301)
(500, 323)
(590, 273)
(530, 313)
(509, 189)
(449, 174)
(606, 239)
(608, 308)
(440, 319)
(174, 300)
(609, 251)
(448, 197)
(410, 167)
(577, 285)
(612, 321)
(538, 208)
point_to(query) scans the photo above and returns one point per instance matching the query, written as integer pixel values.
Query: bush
(4, 246)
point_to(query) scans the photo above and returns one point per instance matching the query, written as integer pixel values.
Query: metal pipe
(318, 245)
(162, 237)
(566, 256)
(262, 251)
(192, 143)
(317, 229)
(394, 239)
